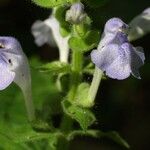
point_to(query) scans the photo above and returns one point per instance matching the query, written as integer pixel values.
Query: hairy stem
(94, 85)
(77, 58)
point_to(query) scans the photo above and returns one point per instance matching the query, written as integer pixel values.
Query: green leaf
(55, 67)
(114, 136)
(117, 138)
(91, 133)
(82, 115)
(14, 123)
(81, 97)
(50, 3)
(64, 25)
(86, 43)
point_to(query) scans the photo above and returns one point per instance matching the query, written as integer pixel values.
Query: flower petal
(104, 57)
(135, 58)
(42, 33)
(118, 70)
(6, 76)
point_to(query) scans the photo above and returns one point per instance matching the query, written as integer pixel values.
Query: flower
(76, 13)
(115, 55)
(140, 25)
(114, 32)
(13, 63)
(48, 32)
(42, 33)
(14, 67)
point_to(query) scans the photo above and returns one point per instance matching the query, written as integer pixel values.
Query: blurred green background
(123, 106)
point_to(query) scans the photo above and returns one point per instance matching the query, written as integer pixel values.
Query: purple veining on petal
(115, 55)
(104, 57)
(136, 60)
(6, 76)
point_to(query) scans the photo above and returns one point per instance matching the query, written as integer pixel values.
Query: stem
(66, 123)
(77, 58)
(94, 85)
(29, 104)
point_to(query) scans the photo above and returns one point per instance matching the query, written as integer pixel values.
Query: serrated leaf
(55, 67)
(86, 43)
(50, 3)
(82, 115)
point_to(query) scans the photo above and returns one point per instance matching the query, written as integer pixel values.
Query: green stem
(66, 124)
(94, 86)
(77, 58)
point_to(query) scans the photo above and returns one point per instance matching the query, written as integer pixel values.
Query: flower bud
(76, 13)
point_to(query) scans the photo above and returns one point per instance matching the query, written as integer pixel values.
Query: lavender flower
(42, 34)
(115, 55)
(114, 32)
(76, 13)
(14, 68)
(140, 25)
(48, 32)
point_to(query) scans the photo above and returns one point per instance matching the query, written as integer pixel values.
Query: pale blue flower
(14, 67)
(115, 55)
(13, 64)
(48, 31)
(42, 34)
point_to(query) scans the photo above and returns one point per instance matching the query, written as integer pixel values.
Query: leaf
(60, 14)
(86, 43)
(117, 138)
(50, 3)
(91, 133)
(99, 134)
(55, 67)
(14, 123)
(82, 115)
(81, 97)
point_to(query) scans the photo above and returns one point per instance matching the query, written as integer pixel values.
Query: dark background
(123, 106)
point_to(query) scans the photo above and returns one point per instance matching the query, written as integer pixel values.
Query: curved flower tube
(140, 25)
(14, 67)
(48, 32)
